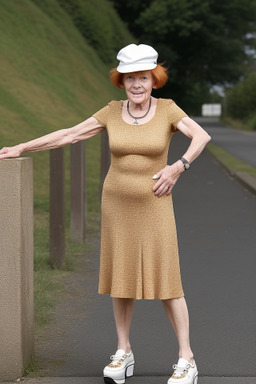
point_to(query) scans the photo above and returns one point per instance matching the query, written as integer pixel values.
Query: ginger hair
(160, 76)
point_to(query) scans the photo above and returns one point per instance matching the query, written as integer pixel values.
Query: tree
(203, 43)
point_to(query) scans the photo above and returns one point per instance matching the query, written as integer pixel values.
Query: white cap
(135, 58)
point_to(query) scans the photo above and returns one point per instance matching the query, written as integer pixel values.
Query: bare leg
(123, 311)
(177, 313)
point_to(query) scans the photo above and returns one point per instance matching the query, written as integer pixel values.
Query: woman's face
(138, 86)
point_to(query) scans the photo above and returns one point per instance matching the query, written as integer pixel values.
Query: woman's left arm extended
(168, 176)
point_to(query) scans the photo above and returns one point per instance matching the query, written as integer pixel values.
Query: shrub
(241, 99)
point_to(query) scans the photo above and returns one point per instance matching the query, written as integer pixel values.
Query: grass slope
(51, 78)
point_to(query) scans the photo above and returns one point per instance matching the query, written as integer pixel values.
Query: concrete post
(16, 267)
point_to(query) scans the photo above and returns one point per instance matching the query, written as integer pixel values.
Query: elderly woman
(139, 253)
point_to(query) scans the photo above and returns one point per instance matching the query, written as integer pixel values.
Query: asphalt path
(241, 144)
(216, 230)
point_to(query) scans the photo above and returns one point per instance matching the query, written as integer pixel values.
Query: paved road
(241, 144)
(216, 229)
(139, 380)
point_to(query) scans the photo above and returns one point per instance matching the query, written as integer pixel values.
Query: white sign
(211, 110)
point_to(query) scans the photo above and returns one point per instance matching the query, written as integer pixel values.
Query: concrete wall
(16, 267)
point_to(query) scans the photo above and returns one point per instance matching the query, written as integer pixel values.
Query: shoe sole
(128, 373)
(195, 380)
(108, 380)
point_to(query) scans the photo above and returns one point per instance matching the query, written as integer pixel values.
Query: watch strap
(186, 164)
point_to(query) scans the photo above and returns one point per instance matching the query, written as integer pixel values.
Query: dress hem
(141, 298)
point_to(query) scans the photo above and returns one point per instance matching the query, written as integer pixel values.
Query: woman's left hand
(167, 178)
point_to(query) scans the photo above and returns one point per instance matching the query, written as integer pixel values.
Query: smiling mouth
(137, 93)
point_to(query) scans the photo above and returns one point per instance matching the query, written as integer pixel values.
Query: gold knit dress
(139, 251)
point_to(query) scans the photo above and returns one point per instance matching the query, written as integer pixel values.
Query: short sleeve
(175, 114)
(103, 114)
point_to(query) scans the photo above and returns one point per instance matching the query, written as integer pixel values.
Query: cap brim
(128, 68)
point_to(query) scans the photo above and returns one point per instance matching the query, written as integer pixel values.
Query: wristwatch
(185, 163)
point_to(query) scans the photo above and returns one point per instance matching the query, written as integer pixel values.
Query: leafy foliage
(99, 23)
(241, 101)
(203, 43)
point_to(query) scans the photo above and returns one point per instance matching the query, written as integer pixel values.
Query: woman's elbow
(207, 138)
(202, 137)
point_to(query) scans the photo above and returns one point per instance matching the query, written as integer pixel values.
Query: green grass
(230, 162)
(51, 78)
(248, 124)
(48, 282)
(32, 368)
